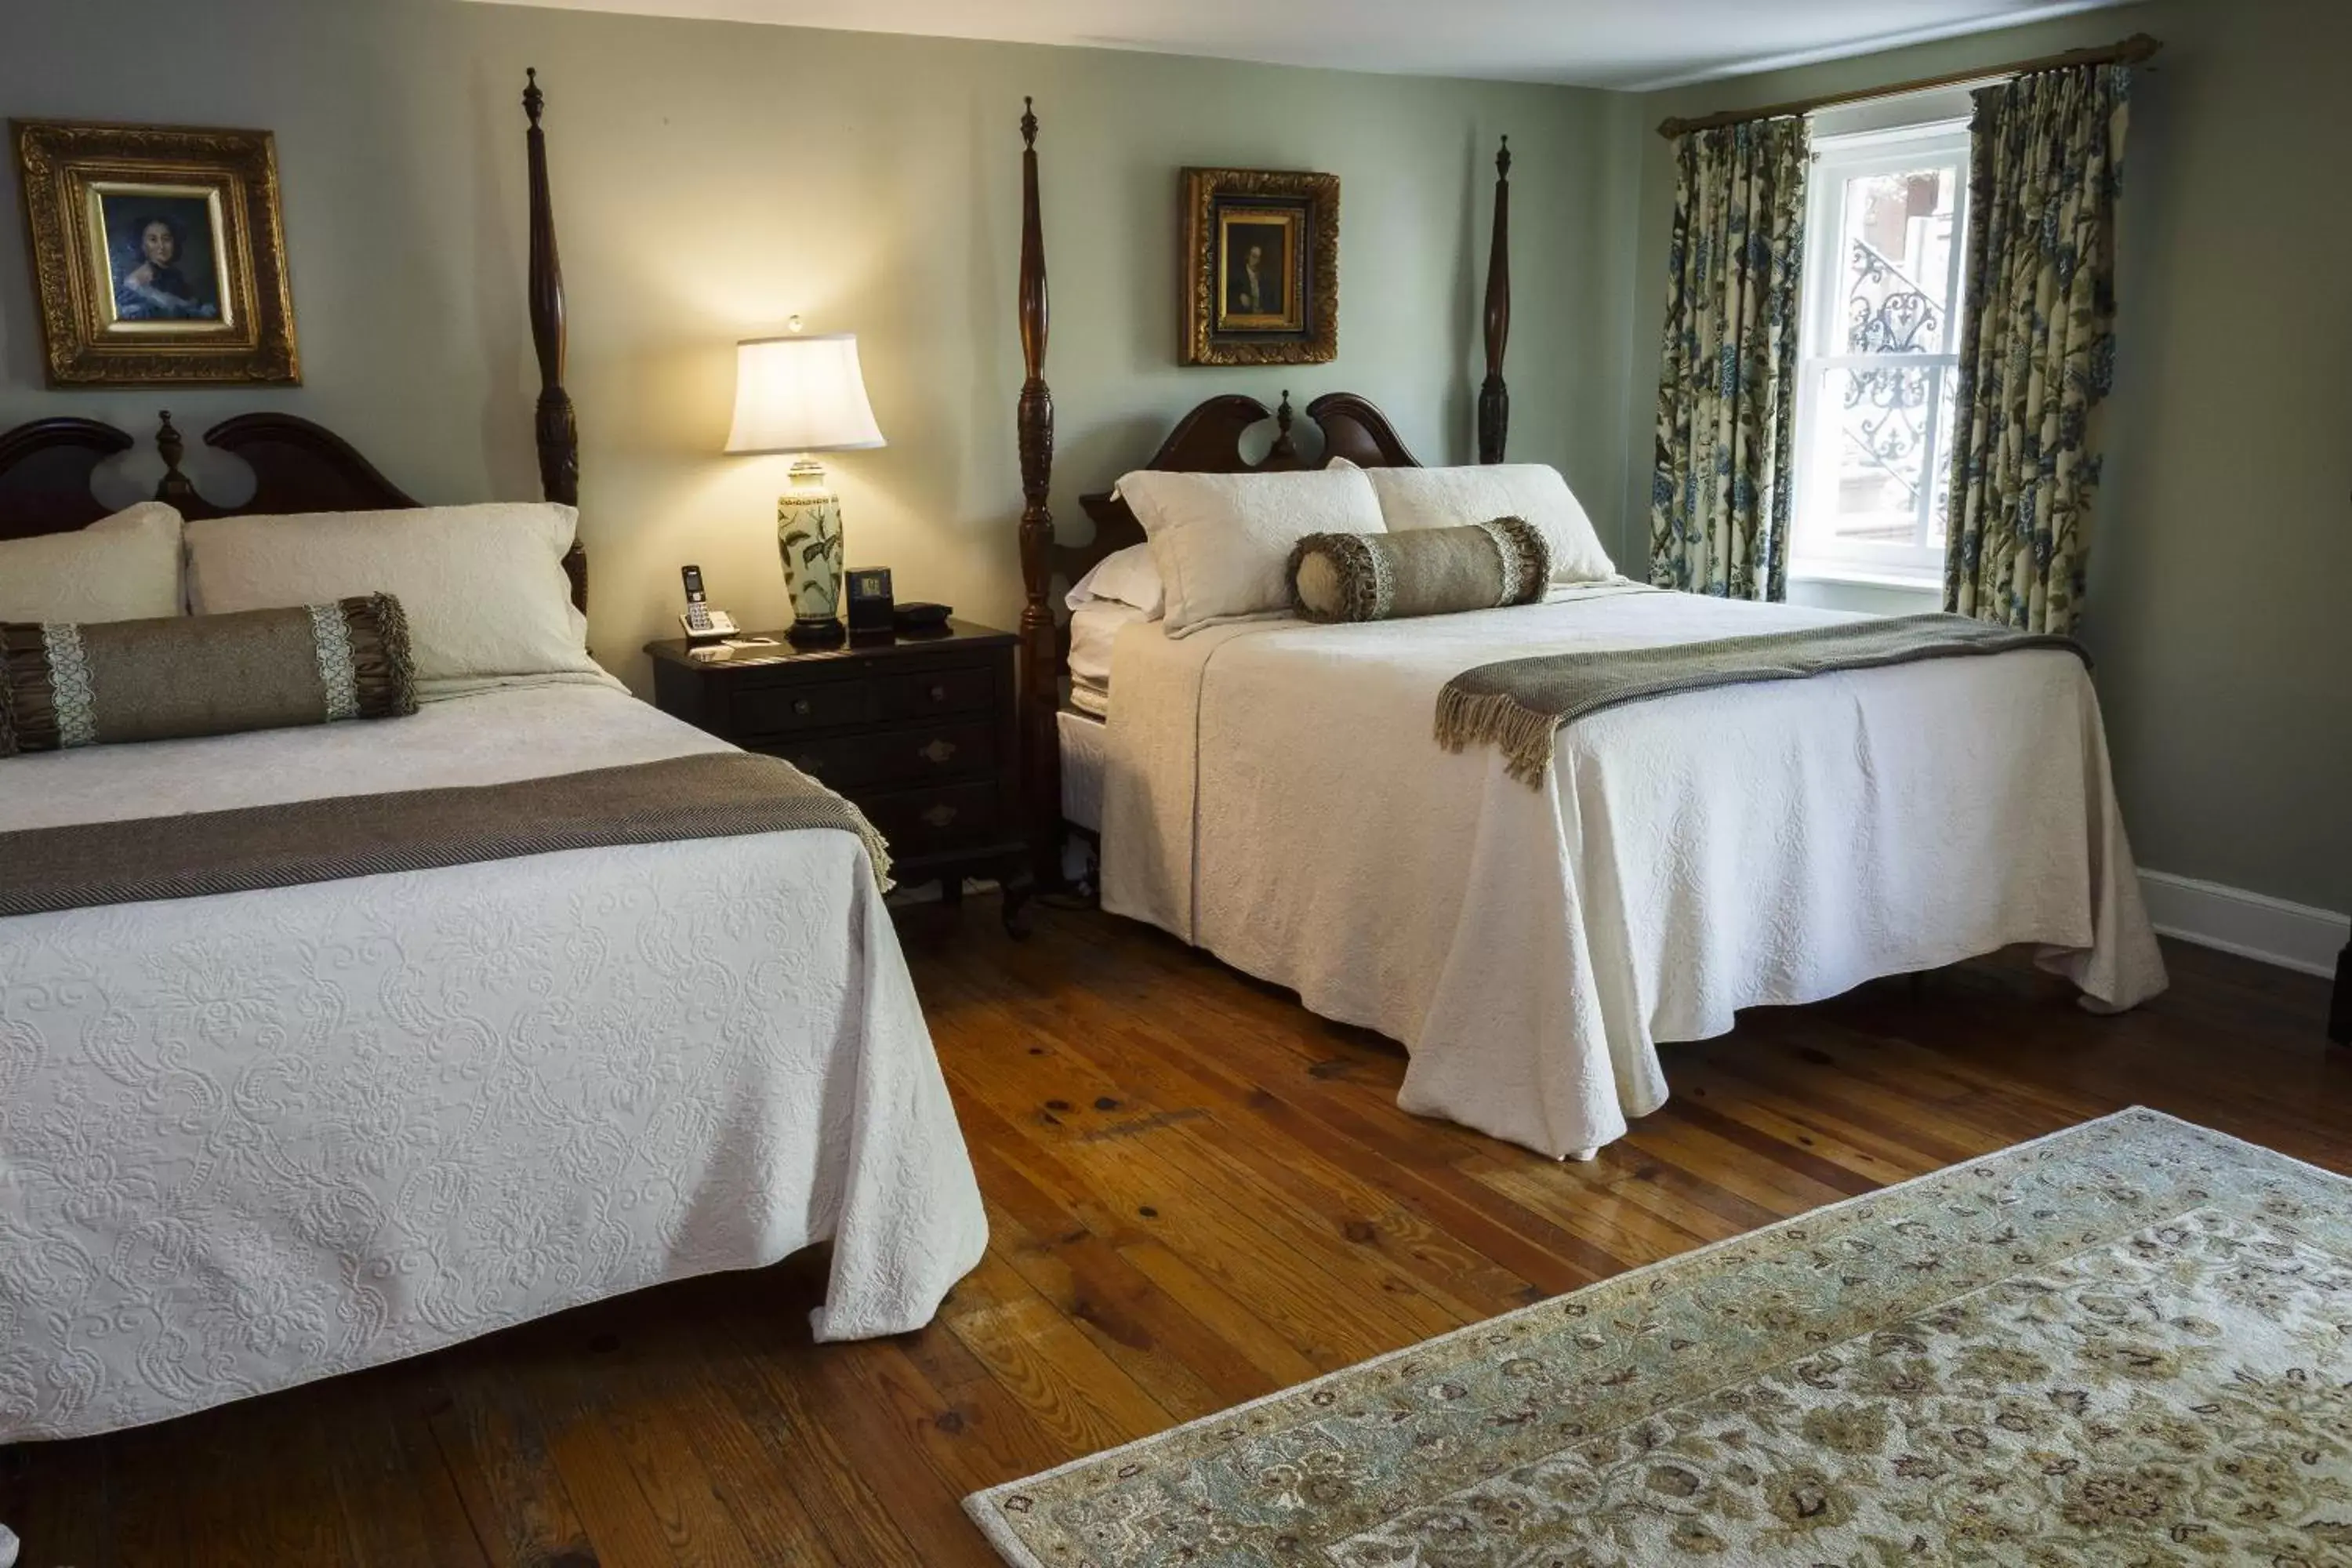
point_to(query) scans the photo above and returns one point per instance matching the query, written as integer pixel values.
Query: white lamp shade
(801, 394)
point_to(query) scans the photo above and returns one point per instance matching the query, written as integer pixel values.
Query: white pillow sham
(125, 567)
(1128, 576)
(483, 587)
(1223, 541)
(1448, 498)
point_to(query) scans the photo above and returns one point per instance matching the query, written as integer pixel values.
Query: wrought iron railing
(1888, 314)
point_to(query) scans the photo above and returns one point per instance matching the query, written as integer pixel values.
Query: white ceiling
(1628, 44)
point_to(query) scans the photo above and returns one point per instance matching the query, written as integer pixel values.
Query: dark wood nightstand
(918, 729)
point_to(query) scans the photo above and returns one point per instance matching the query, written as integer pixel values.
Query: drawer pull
(800, 706)
(939, 816)
(939, 692)
(938, 751)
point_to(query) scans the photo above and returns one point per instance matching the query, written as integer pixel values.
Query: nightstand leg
(1020, 882)
(2340, 1012)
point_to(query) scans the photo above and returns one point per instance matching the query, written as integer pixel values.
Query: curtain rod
(2131, 51)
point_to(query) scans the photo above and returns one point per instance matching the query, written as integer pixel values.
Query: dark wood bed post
(1040, 639)
(300, 467)
(558, 426)
(1493, 396)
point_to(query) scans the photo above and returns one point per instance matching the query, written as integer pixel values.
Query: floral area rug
(2129, 1342)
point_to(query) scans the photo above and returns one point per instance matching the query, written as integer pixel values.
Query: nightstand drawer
(971, 690)
(930, 821)
(913, 755)
(783, 708)
(918, 729)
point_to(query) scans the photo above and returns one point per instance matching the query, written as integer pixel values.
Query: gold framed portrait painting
(1261, 267)
(158, 253)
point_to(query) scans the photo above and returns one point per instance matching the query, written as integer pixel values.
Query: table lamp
(802, 393)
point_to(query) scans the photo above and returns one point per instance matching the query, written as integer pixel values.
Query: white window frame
(1813, 552)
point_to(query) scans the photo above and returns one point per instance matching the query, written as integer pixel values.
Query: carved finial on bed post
(1041, 663)
(1282, 447)
(1493, 396)
(174, 489)
(558, 426)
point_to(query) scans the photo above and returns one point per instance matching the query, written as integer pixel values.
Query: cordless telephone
(700, 620)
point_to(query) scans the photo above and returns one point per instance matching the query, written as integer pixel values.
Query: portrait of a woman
(158, 253)
(155, 279)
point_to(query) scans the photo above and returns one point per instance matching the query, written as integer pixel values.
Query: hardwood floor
(1198, 1193)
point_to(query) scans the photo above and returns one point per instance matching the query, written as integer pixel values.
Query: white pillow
(483, 587)
(1448, 498)
(1223, 541)
(120, 568)
(1128, 576)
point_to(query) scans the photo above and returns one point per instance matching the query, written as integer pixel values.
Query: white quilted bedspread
(252, 1140)
(1273, 792)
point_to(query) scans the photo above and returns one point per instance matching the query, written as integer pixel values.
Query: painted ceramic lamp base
(808, 538)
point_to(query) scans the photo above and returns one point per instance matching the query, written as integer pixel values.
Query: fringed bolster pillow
(1425, 572)
(63, 684)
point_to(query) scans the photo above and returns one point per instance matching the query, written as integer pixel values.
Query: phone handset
(700, 620)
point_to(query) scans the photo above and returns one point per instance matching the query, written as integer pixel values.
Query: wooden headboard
(1206, 440)
(46, 466)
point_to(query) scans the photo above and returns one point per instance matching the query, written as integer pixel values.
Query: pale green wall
(711, 179)
(2223, 556)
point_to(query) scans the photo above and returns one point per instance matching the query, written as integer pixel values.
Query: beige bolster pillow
(65, 684)
(1425, 572)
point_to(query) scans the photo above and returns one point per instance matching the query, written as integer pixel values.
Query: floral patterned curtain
(2037, 343)
(1720, 495)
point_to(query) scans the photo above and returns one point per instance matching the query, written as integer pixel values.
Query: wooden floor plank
(1076, 1395)
(53, 1495)
(1227, 1201)
(1178, 1140)
(923, 1450)
(492, 1444)
(1351, 1199)
(1186, 1369)
(804, 1452)
(237, 1509)
(393, 1514)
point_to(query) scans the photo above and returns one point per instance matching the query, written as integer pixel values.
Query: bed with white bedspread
(255, 1139)
(1272, 793)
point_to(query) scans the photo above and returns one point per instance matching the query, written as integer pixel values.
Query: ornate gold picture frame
(1261, 267)
(158, 253)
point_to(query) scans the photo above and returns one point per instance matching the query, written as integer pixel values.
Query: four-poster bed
(46, 466)
(1274, 793)
(262, 1136)
(1208, 439)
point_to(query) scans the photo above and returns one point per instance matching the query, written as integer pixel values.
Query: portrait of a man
(1255, 269)
(1262, 257)
(159, 257)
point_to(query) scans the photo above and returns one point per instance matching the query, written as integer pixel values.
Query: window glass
(1879, 352)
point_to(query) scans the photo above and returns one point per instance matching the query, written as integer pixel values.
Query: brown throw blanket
(721, 795)
(1520, 704)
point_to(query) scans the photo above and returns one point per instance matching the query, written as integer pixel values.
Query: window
(1879, 352)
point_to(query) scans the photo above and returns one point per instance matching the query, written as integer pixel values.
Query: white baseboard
(2252, 925)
